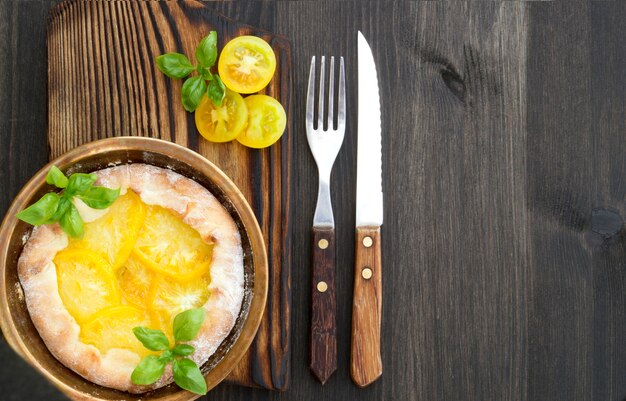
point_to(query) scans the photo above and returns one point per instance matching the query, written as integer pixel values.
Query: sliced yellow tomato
(164, 321)
(176, 297)
(135, 278)
(113, 328)
(247, 64)
(222, 123)
(266, 122)
(86, 282)
(170, 271)
(170, 247)
(113, 235)
(169, 298)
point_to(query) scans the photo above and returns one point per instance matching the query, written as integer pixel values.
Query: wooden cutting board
(103, 82)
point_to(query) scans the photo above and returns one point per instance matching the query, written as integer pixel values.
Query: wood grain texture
(365, 362)
(504, 166)
(103, 82)
(577, 202)
(323, 360)
(21, 72)
(460, 261)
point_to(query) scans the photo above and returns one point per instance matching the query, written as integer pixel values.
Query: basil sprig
(187, 375)
(53, 207)
(178, 66)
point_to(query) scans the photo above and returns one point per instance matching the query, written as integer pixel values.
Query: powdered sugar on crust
(198, 208)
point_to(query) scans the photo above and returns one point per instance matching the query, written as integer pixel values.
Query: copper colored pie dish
(15, 321)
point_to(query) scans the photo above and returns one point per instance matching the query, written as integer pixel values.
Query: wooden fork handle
(324, 305)
(366, 364)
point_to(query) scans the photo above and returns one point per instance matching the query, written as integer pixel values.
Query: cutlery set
(365, 359)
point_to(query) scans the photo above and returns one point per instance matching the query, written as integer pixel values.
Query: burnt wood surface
(504, 157)
(103, 82)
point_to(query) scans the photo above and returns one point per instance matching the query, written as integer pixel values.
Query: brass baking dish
(15, 321)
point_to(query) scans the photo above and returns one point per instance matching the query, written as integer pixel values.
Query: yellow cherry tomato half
(222, 123)
(247, 64)
(266, 122)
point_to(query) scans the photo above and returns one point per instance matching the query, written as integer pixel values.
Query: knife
(365, 361)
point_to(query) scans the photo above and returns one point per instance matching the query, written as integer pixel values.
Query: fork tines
(341, 101)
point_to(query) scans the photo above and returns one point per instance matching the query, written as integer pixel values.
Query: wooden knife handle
(366, 364)
(324, 305)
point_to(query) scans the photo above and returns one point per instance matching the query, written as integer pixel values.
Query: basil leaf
(167, 356)
(79, 183)
(206, 52)
(188, 376)
(56, 177)
(72, 223)
(183, 350)
(41, 211)
(154, 340)
(187, 324)
(192, 92)
(99, 197)
(64, 204)
(216, 91)
(205, 73)
(149, 370)
(174, 65)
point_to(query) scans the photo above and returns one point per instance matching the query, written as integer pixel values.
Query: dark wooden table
(504, 156)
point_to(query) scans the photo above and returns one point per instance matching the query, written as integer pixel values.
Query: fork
(324, 145)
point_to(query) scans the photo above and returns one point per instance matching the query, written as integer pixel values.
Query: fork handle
(365, 361)
(324, 305)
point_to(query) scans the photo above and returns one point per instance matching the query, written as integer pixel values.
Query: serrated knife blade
(365, 358)
(369, 191)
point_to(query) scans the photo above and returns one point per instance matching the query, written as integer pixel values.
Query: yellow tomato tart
(164, 246)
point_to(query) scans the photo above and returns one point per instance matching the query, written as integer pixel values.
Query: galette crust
(198, 208)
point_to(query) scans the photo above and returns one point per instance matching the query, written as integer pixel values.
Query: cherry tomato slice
(266, 122)
(247, 64)
(222, 123)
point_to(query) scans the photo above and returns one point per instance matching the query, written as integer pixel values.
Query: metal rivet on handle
(323, 243)
(322, 286)
(367, 242)
(366, 273)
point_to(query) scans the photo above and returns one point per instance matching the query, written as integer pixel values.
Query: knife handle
(366, 364)
(324, 305)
